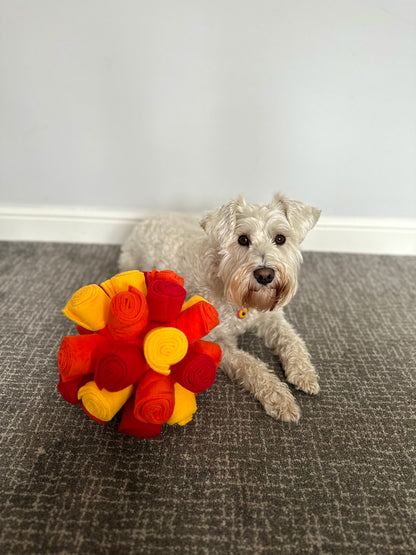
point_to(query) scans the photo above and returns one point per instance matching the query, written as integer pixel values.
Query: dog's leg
(255, 376)
(280, 336)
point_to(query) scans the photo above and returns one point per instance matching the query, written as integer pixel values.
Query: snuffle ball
(139, 350)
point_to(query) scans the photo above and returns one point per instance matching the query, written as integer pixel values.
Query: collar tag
(242, 313)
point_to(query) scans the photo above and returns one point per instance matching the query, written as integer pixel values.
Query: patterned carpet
(233, 480)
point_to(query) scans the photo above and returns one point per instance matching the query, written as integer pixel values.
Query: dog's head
(258, 248)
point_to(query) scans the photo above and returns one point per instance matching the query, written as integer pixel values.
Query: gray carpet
(233, 480)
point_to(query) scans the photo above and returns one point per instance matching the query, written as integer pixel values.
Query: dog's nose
(264, 276)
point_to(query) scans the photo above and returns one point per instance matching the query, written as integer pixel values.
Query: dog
(244, 259)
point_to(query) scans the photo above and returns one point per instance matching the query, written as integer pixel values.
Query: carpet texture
(233, 480)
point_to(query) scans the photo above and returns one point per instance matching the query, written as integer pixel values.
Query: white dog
(244, 259)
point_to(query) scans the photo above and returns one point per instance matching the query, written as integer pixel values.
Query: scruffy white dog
(244, 259)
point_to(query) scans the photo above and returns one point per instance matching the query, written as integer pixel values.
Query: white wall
(144, 105)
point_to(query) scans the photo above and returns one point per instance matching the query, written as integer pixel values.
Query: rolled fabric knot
(164, 299)
(119, 366)
(128, 315)
(103, 404)
(131, 426)
(164, 274)
(122, 282)
(89, 307)
(197, 320)
(76, 354)
(155, 398)
(163, 347)
(208, 348)
(196, 371)
(185, 406)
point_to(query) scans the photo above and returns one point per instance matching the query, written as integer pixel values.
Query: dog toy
(139, 350)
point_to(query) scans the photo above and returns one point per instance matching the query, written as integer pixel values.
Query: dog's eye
(280, 239)
(244, 241)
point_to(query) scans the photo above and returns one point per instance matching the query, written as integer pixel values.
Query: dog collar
(242, 313)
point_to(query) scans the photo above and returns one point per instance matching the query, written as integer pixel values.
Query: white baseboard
(85, 225)
(65, 225)
(363, 235)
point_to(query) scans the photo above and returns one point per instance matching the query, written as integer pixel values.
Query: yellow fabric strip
(101, 403)
(121, 282)
(185, 406)
(164, 346)
(89, 307)
(193, 300)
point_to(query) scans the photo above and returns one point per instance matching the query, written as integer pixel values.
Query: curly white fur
(220, 266)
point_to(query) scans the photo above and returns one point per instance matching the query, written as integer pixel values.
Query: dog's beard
(262, 299)
(243, 291)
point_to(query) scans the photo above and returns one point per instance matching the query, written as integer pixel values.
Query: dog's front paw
(280, 404)
(304, 379)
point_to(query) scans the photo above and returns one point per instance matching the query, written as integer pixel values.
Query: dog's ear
(300, 216)
(220, 223)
